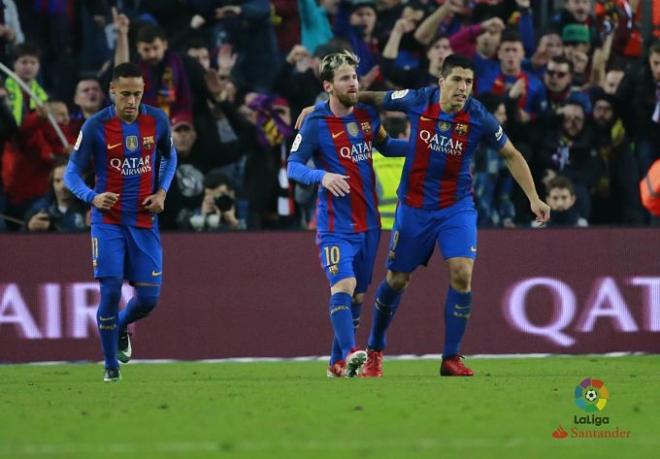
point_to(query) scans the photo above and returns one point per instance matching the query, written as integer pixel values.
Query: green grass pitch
(291, 410)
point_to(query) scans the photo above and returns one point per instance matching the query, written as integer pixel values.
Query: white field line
(118, 448)
(326, 357)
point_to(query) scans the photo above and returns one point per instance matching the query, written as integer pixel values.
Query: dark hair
(149, 33)
(26, 49)
(126, 70)
(88, 77)
(215, 178)
(491, 101)
(510, 35)
(456, 60)
(196, 43)
(563, 183)
(436, 39)
(563, 60)
(655, 47)
(58, 161)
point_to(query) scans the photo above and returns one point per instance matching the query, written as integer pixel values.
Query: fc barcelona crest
(148, 142)
(132, 143)
(461, 128)
(352, 129)
(366, 127)
(444, 126)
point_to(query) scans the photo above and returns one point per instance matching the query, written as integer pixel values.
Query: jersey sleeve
(403, 100)
(168, 154)
(303, 148)
(493, 134)
(78, 162)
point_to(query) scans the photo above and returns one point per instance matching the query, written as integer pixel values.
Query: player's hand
(155, 203)
(305, 111)
(541, 210)
(105, 201)
(336, 184)
(39, 222)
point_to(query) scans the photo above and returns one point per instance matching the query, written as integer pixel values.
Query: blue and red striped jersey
(436, 173)
(126, 159)
(341, 145)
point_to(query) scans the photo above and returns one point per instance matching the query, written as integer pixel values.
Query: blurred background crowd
(576, 84)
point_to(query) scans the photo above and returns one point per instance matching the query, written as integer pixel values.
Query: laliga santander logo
(591, 395)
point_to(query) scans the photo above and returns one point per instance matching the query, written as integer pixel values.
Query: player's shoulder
(475, 109)
(99, 117)
(156, 112)
(371, 110)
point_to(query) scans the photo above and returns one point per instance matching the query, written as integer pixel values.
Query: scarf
(500, 87)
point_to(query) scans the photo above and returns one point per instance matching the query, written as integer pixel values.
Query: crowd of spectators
(578, 94)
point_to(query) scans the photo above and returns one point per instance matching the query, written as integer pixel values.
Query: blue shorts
(349, 255)
(127, 252)
(416, 231)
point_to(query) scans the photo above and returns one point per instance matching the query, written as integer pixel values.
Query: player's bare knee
(358, 298)
(460, 277)
(344, 286)
(397, 281)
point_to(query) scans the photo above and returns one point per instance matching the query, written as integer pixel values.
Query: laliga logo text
(357, 153)
(441, 143)
(131, 166)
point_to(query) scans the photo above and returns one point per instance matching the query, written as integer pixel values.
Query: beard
(348, 100)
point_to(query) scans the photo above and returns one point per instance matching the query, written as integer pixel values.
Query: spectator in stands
(59, 210)
(26, 67)
(89, 99)
(569, 151)
(561, 199)
(187, 189)
(639, 104)
(10, 28)
(519, 85)
(493, 183)
(550, 46)
(218, 210)
(412, 77)
(166, 83)
(356, 22)
(616, 195)
(557, 81)
(315, 22)
(613, 78)
(28, 159)
(577, 47)
(578, 12)
(479, 41)
(287, 24)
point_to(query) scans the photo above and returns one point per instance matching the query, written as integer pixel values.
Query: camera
(224, 202)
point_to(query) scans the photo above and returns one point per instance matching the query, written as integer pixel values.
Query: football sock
(144, 301)
(387, 302)
(336, 354)
(457, 311)
(342, 322)
(106, 318)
